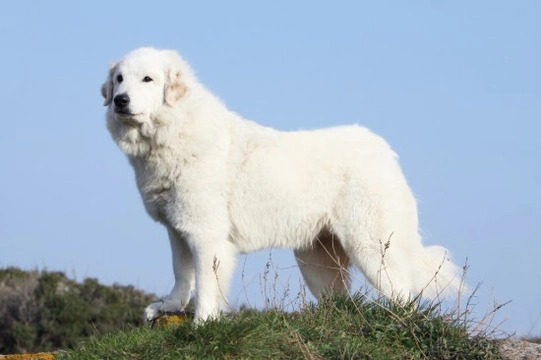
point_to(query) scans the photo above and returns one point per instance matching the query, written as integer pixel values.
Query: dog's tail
(435, 275)
(425, 271)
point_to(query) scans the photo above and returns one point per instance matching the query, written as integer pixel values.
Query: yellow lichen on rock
(40, 356)
(169, 320)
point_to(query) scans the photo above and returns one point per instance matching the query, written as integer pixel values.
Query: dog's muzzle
(122, 109)
(122, 101)
(122, 105)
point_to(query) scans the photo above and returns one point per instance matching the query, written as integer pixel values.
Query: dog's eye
(119, 78)
(147, 79)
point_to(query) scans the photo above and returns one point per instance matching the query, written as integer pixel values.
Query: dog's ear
(107, 87)
(174, 87)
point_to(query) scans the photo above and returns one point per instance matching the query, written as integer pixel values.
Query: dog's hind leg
(381, 237)
(324, 266)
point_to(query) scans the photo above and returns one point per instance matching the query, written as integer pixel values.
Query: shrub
(44, 311)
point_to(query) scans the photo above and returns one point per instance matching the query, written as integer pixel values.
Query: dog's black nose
(122, 100)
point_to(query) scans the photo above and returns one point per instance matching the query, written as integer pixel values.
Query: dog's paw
(167, 306)
(153, 311)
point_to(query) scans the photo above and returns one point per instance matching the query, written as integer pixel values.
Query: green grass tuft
(338, 328)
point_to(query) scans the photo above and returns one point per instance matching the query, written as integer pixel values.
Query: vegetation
(339, 328)
(43, 311)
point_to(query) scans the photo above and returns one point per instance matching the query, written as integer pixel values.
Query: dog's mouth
(127, 117)
(123, 111)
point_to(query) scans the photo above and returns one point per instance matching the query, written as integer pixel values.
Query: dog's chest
(155, 182)
(157, 203)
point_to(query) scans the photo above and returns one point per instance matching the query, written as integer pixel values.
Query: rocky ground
(520, 350)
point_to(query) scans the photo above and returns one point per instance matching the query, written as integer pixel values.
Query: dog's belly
(269, 222)
(265, 235)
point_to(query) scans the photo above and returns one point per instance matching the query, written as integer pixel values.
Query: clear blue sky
(455, 86)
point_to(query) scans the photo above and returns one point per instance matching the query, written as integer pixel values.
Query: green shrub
(43, 311)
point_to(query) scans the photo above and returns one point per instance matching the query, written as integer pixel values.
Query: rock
(171, 319)
(39, 356)
(515, 349)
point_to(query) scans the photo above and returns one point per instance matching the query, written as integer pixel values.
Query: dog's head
(138, 87)
(143, 81)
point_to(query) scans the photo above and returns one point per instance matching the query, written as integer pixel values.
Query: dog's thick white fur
(223, 185)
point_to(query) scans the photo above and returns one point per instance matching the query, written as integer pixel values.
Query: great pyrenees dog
(223, 185)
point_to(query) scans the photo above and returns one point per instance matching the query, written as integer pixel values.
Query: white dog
(223, 185)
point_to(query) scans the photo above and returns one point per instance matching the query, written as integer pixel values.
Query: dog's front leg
(214, 258)
(184, 269)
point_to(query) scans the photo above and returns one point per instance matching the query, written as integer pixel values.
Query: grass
(353, 327)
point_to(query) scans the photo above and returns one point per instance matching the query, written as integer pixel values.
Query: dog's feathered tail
(425, 271)
(436, 275)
